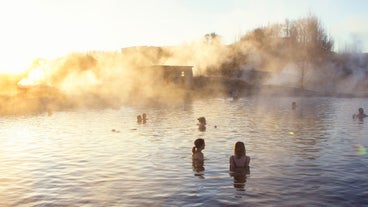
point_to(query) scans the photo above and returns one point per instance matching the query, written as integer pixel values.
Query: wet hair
(197, 144)
(239, 149)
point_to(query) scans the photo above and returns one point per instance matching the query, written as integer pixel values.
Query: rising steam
(279, 55)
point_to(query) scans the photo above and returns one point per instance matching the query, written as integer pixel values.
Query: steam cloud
(109, 79)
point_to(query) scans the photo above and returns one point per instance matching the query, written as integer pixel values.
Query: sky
(49, 29)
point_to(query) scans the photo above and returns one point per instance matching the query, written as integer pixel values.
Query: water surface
(312, 156)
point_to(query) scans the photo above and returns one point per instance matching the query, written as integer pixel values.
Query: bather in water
(360, 114)
(202, 124)
(197, 155)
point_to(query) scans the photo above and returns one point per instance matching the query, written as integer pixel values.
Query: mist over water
(294, 58)
(80, 81)
(91, 151)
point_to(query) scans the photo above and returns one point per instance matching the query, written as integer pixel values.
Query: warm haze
(49, 29)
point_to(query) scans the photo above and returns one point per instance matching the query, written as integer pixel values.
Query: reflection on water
(240, 177)
(198, 167)
(314, 155)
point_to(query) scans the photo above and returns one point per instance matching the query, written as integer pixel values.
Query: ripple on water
(308, 157)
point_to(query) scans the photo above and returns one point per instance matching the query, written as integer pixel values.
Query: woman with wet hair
(239, 160)
(197, 149)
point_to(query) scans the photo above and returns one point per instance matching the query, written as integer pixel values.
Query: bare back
(239, 163)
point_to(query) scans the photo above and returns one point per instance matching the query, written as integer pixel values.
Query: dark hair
(239, 149)
(197, 144)
(202, 120)
(361, 110)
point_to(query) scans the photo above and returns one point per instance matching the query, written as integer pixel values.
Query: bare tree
(212, 38)
(313, 45)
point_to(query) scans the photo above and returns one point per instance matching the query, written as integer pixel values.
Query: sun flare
(15, 63)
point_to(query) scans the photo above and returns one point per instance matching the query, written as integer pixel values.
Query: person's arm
(231, 163)
(247, 161)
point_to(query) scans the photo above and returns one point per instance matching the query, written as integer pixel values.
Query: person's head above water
(202, 120)
(361, 111)
(360, 114)
(144, 118)
(293, 105)
(139, 119)
(198, 145)
(239, 149)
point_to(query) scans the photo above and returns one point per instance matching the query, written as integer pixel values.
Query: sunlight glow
(47, 32)
(35, 76)
(14, 64)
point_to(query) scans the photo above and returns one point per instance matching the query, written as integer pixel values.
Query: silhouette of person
(235, 94)
(139, 119)
(202, 123)
(197, 156)
(239, 160)
(293, 105)
(144, 118)
(360, 114)
(239, 166)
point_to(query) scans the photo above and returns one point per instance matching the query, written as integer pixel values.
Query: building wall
(179, 75)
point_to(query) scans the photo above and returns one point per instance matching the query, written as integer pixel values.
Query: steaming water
(314, 155)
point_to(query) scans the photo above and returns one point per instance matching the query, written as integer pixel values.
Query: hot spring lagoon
(315, 155)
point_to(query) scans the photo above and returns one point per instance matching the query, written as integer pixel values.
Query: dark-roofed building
(181, 76)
